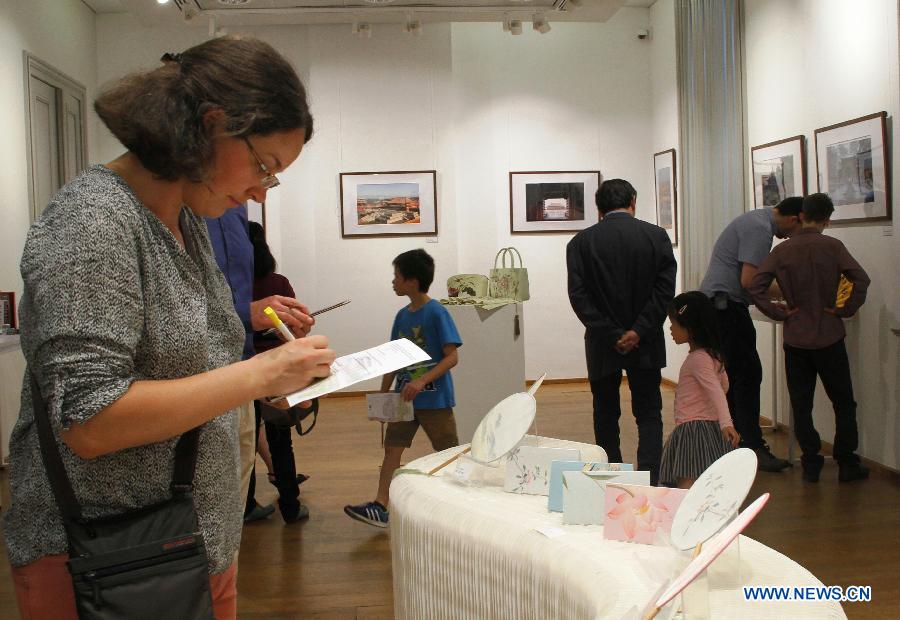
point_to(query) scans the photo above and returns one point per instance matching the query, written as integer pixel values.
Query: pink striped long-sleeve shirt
(700, 394)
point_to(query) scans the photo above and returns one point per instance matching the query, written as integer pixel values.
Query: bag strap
(513, 252)
(56, 471)
(315, 414)
(182, 478)
(502, 251)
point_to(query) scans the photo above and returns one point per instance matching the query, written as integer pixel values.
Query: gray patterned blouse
(110, 298)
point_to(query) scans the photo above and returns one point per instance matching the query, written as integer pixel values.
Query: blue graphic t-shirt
(430, 327)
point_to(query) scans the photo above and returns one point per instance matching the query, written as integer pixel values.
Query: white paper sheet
(389, 407)
(350, 369)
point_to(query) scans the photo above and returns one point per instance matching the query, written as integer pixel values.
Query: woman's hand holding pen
(293, 365)
(293, 313)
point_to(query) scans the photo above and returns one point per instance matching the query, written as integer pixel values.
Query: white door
(73, 137)
(45, 155)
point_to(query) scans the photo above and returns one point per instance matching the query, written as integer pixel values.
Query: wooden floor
(334, 568)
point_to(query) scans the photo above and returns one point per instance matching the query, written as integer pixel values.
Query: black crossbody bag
(148, 563)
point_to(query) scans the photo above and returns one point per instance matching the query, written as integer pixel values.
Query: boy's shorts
(439, 425)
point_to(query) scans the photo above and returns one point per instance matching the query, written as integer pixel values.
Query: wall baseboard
(827, 450)
(666, 382)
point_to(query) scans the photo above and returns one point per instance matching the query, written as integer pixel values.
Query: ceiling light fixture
(362, 30)
(540, 23)
(162, 1)
(412, 26)
(512, 26)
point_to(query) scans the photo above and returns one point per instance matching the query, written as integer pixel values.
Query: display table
(473, 552)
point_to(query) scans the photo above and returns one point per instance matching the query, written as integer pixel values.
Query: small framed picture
(388, 204)
(851, 166)
(666, 181)
(779, 171)
(7, 309)
(552, 202)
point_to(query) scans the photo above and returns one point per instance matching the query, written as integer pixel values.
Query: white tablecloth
(473, 552)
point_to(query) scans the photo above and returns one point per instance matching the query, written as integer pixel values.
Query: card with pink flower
(636, 513)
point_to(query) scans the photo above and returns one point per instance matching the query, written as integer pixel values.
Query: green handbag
(509, 282)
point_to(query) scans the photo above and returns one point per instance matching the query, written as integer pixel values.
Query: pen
(281, 327)
(337, 305)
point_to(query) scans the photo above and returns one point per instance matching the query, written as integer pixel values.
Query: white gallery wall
(814, 63)
(664, 99)
(61, 33)
(467, 100)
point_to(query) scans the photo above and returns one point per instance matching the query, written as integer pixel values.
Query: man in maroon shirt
(808, 268)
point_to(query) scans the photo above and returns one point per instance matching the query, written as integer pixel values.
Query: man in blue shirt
(736, 256)
(230, 240)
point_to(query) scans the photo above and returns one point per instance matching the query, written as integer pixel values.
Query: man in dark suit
(621, 279)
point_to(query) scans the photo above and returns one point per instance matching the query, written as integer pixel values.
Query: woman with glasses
(127, 322)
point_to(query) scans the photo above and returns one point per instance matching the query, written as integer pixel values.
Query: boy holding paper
(428, 385)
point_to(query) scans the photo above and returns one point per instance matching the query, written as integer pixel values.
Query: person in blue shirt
(230, 239)
(428, 384)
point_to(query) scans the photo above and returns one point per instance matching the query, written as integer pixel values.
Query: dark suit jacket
(621, 277)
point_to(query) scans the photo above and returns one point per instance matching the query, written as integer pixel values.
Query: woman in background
(284, 469)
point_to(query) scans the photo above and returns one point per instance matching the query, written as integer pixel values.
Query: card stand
(723, 574)
(726, 572)
(695, 600)
(466, 470)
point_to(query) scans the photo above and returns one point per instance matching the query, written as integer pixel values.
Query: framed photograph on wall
(851, 166)
(665, 180)
(551, 202)
(384, 204)
(779, 171)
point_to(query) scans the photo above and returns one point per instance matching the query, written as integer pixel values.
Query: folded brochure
(350, 369)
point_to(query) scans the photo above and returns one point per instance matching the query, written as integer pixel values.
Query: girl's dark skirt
(690, 449)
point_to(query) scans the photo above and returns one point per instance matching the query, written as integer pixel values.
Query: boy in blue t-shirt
(428, 384)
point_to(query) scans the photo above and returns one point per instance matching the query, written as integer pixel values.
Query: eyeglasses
(269, 180)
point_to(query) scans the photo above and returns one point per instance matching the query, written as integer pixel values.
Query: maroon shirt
(808, 267)
(272, 284)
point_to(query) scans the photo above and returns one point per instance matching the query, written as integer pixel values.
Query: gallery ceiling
(281, 12)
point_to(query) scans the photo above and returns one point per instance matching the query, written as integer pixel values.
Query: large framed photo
(779, 171)
(385, 204)
(851, 164)
(665, 178)
(549, 202)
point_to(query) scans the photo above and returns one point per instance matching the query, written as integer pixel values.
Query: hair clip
(171, 57)
(682, 309)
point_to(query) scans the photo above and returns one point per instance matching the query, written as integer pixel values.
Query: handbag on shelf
(509, 282)
(292, 416)
(467, 285)
(148, 563)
